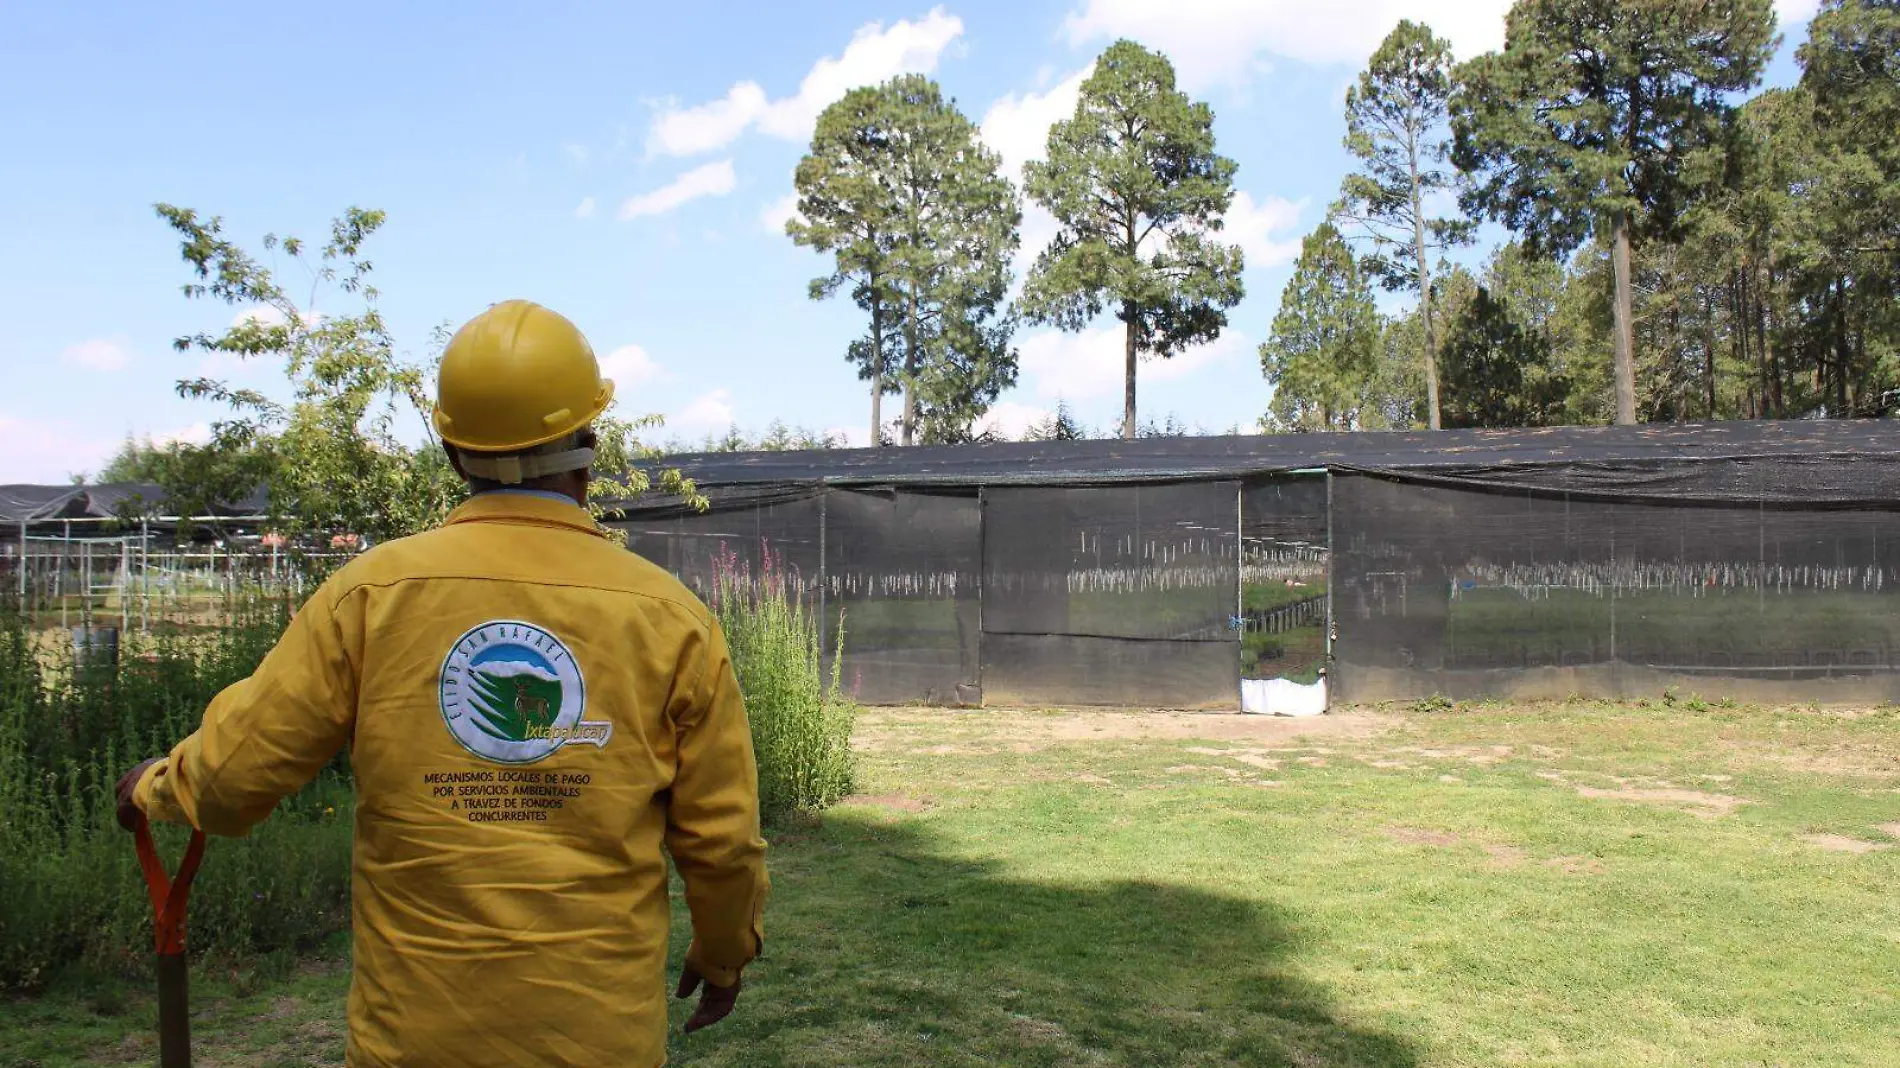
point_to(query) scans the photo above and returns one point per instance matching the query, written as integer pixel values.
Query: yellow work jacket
(532, 713)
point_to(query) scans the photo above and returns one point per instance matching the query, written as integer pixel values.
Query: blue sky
(628, 165)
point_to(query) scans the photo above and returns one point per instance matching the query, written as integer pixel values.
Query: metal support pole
(1332, 583)
(24, 606)
(59, 577)
(145, 577)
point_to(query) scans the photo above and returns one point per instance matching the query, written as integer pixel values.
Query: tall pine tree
(1323, 355)
(1134, 182)
(1584, 122)
(1396, 127)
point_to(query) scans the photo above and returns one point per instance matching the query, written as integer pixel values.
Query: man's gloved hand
(715, 1002)
(129, 812)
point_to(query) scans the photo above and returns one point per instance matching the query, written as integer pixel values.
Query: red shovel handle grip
(169, 892)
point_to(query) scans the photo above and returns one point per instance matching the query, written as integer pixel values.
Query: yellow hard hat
(516, 376)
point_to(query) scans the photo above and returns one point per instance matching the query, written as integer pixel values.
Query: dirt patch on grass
(1576, 865)
(894, 802)
(1506, 856)
(1253, 758)
(1041, 1032)
(1864, 761)
(1481, 755)
(1890, 829)
(944, 731)
(1840, 843)
(1419, 836)
(1695, 802)
(1188, 769)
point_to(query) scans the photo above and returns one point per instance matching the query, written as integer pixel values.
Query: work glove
(715, 1002)
(128, 810)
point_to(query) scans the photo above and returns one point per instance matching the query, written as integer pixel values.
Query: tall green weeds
(73, 898)
(69, 874)
(801, 718)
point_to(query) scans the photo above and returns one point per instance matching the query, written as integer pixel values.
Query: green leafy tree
(1323, 353)
(1848, 260)
(1060, 425)
(960, 224)
(335, 462)
(847, 207)
(900, 187)
(1588, 119)
(1497, 372)
(1396, 126)
(1396, 400)
(1138, 192)
(329, 457)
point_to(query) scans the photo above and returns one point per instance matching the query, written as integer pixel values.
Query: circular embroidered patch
(512, 693)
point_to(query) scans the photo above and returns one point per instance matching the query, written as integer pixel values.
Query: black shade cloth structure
(1758, 560)
(45, 504)
(1845, 461)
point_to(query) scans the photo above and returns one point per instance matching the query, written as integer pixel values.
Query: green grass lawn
(1554, 885)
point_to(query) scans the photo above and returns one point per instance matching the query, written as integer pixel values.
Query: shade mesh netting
(1466, 594)
(1749, 560)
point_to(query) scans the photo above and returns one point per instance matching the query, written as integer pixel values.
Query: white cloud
(1791, 13)
(711, 180)
(705, 414)
(1252, 226)
(585, 210)
(629, 366)
(1092, 362)
(1219, 42)
(195, 434)
(779, 212)
(875, 54)
(263, 316)
(1017, 127)
(578, 154)
(266, 315)
(1222, 42)
(691, 131)
(1011, 419)
(99, 354)
(49, 452)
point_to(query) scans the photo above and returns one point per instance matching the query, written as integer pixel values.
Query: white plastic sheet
(1281, 697)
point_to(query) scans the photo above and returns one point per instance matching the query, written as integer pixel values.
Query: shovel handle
(169, 893)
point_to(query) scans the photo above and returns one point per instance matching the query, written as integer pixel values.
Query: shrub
(68, 872)
(801, 720)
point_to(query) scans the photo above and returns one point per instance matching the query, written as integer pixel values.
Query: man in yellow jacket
(535, 719)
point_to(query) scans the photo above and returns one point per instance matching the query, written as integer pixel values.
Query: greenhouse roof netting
(1818, 461)
(40, 504)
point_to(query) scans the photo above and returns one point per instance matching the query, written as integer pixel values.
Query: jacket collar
(503, 507)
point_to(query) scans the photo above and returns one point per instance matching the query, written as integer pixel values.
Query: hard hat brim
(446, 430)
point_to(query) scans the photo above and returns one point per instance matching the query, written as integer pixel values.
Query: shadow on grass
(881, 950)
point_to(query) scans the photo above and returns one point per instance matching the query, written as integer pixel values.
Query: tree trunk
(877, 369)
(1771, 399)
(1128, 396)
(1708, 347)
(1425, 302)
(1622, 319)
(1841, 352)
(1130, 315)
(910, 367)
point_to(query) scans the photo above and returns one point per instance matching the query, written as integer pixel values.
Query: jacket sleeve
(713, 820)
(265, 737)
